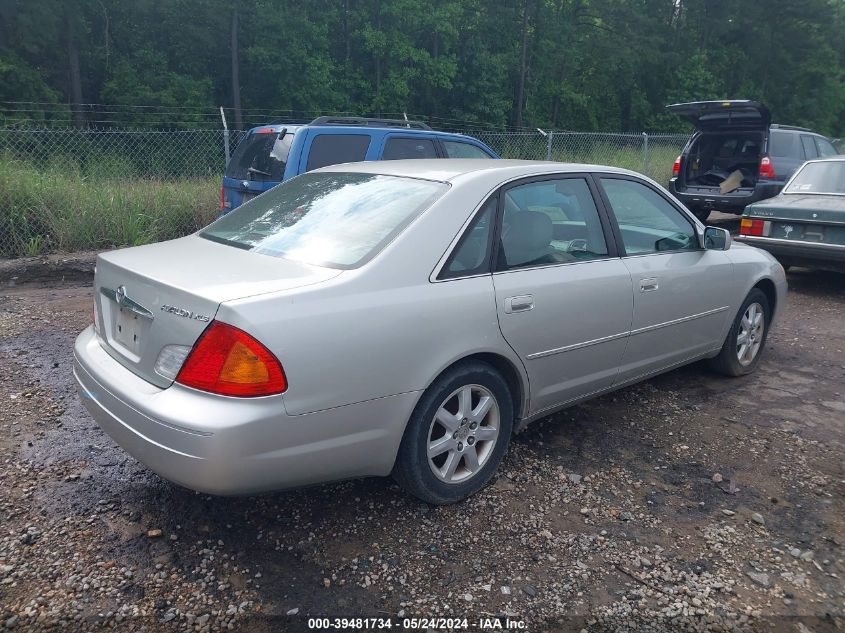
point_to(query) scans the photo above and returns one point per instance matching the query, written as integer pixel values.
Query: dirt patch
(604, 517)
(48, 270)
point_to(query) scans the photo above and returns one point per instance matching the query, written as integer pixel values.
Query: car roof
(837, 158)
(345, 128)
(792, 128)
(453, 168)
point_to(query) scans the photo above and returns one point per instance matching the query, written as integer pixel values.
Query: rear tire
(743, 347)
(457, 435)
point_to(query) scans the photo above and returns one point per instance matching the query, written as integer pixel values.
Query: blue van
(271, 154)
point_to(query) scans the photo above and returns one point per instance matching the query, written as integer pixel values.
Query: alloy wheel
(750, 335)
(463, 433)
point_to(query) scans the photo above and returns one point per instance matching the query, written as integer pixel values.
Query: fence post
(225, 135)
(645, 154)
(549, 145)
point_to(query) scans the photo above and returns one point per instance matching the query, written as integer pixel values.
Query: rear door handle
(522, 303)
(648, 285)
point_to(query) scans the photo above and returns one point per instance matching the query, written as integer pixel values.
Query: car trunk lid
(808, 218)
(735, 114)
(166, 294)
(814, 208)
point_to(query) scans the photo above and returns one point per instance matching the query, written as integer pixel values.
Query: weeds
(61, 208)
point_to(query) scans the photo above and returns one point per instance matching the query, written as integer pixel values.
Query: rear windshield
(827, 177)
(339, 220)
(261, 157)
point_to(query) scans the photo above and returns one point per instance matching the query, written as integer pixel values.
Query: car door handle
(522, 303)
(648, 285)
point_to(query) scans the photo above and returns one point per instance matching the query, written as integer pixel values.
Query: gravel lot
(689, 502)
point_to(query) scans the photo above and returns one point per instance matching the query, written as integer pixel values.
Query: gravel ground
(688, 502)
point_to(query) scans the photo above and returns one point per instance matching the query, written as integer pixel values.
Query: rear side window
(825, 147)
(781, 144)
(809, 146)
(472, 255)
(260, 157)
(333, 149)
(459, 149)
(550, 222)
(399, 148)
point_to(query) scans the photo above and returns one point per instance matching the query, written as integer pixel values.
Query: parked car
(406, 317)
(271, 154)
(736, 156)
(805, 224)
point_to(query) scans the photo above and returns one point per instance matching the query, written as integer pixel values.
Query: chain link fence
(64, 190)
(649, 154)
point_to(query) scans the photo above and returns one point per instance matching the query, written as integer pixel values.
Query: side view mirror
(717, 239)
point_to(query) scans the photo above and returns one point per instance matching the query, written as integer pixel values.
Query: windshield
(260, 157)
(825, 177)
(338, 220)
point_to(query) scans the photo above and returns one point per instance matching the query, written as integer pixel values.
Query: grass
(616, 152)
(62, 206)
(59, 208)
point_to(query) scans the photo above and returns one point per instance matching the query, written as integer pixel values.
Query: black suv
(737, 156)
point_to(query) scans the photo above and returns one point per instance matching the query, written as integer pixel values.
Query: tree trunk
(236, 71)
(523, 65)
(435, 55)
(378, 60)
(74, 73)
(346, 38)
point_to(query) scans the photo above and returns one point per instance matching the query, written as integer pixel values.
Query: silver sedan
(407, 318)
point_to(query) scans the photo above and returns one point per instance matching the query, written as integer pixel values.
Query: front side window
(550, 222)
(824, 177)
(459, 149)
(647, 221)
(338, 220)
(399, 148)
(334, 149)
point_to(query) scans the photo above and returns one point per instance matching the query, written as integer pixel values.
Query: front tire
(457, 435)
(743, 347)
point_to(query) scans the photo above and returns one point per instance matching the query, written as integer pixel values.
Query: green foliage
(606, 65)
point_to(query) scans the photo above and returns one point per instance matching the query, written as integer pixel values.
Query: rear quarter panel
(382, 329)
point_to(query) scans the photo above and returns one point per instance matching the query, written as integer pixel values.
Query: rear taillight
(767, 170)
(229, 362)
(749, 226)
(222, 198)
(676, 168)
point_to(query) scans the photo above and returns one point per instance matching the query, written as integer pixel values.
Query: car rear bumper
(726, 203)
(229, 446)
(800, 253)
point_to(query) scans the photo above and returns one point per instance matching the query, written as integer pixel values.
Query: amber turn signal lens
(228, 361)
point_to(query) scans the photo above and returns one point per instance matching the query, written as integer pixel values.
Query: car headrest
(530, 230)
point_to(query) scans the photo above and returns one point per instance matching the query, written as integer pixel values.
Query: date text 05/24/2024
(490, 623)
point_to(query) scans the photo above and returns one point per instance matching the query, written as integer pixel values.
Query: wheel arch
(767, 286)
(516, 381)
